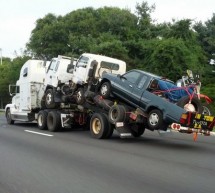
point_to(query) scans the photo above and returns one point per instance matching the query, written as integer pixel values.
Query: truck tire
(155, 120)
(99, 126)
(110, 129)
(117, 113)
(10, 121)
(42, 120)
(49, 100)
(137, 129)
(53, 121)
(105, 90)
(80, 98)
(195, 104)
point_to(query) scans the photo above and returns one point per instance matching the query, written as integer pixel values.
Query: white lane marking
(38, 133)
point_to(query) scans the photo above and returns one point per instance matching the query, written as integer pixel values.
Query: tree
(9, 73)
(206, 36)
(49, 38)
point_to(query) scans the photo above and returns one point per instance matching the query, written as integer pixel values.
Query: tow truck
(99, 114)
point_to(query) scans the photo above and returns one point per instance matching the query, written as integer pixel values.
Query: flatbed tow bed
(133, 123)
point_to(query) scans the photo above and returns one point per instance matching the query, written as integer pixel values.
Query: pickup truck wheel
(53, 121)
(42, 120)
(155, 120)
(137, 129)
(105, 90)
(99, 126)
(10, 121)
(117, 113)
(49, 100)
(206, 109)
(80, 99)
(195, 104)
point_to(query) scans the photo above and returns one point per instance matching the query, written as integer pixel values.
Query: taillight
(182, 121)
(178, 126)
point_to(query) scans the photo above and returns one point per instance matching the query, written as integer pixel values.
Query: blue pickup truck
(139, 90)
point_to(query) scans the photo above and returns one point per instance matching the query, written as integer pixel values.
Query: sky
(18, 17)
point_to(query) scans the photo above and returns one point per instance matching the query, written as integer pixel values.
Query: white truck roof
(33, 71)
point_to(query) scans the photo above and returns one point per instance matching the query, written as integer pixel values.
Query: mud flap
(123, 130)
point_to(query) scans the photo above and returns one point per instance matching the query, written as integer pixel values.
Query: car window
(142, 82)
(132, 76)
(109, 65)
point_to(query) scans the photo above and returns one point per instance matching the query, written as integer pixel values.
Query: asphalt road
(73, 162)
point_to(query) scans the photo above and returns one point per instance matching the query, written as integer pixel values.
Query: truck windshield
(82, 62)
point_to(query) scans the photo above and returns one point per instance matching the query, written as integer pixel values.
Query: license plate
(200, 121)
(119, 124)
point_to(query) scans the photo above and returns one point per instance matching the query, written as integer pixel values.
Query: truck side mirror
(93, 68)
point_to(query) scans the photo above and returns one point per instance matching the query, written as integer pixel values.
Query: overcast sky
(17, 17)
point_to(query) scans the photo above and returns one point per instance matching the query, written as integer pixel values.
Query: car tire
(155, 120)
(10, 121)
(105, 90)
(117, 113)
(195, 103)
(42, 120)
(99, 126)
(53, 121)
(206, 109)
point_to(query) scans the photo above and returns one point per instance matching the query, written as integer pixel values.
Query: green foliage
(206, 36)
(9, 73)
(49, 38)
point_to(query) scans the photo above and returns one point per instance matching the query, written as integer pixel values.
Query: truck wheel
(117, 113)
(105, 90)
(110, 129)
(42, 120)
(43, 103)
(195, 104)
(137, 129)
(53, 121)
(99, 126)
(49, 100)
(10, 121)
(155, 120)
(80, 99)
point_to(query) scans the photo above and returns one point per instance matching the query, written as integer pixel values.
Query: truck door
(139, 89)
(126, 85)
(81, 69)
(51, 75)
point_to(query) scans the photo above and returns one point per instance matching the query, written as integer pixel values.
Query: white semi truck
(50, 92)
